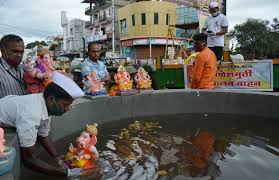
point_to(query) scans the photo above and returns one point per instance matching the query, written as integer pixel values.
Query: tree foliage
(36, 43)
(275, 25)
(257, 38)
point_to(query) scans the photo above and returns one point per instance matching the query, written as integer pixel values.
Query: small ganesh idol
(7, 155)
(47, 63)
(143, 79)
(39, 76)
(85, 154)
(34, 77)
(123, 79)
(2, 140)
(93, 84)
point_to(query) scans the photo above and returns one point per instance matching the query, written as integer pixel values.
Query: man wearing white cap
(29, 114)
(215, 27)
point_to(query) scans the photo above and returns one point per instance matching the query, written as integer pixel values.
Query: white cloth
(28, 114)
(215, 25)
(213, 4)
(237, 58)
(67, 84)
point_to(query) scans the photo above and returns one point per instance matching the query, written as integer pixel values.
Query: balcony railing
(97, 37)
(88, 24)
(88, 8)
(105, 18)
(88, 11)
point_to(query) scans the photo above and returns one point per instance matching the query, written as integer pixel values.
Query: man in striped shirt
(11, 71)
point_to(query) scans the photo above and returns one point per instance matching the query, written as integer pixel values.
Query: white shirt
(215, 25)
(28, 114)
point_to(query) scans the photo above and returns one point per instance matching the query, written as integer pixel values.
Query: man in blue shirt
(92, 63)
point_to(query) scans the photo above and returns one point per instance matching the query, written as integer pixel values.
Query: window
(156, 18)
(143, 21)
(103, 30)
(76, 28)
(133, 20)
(123, 26)
(167, 19)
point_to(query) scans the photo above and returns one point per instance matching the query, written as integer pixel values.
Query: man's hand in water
(60, 160)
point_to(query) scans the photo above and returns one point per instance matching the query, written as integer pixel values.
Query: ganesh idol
(123, 79)
(143, 79)
(38, 75)
(85, 154)
(92, 83)
(7, 155)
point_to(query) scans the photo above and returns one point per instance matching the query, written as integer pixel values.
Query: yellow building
(143, 28)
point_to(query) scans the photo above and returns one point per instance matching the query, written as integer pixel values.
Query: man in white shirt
(29, 114)
(215, 27)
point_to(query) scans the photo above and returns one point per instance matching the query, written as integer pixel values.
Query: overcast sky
(37, 19)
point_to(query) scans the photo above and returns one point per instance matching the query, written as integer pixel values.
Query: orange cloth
(204, 70)
(89, 163)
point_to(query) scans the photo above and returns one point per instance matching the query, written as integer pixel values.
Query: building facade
(101, 24)
(73, 33)
(55, 45)
(143, 28)
(201, 4)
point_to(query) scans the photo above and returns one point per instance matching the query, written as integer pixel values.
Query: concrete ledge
(161, 102)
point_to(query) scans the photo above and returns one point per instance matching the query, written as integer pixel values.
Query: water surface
(251, 154)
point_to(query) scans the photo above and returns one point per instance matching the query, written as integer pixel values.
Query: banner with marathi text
(250, 75)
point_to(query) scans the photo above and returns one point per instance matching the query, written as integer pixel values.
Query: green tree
(30, 45)
(275, 25)
(258, 38)
(34, 44)
(43, 43)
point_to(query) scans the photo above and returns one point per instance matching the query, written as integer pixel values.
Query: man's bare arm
(29, 160)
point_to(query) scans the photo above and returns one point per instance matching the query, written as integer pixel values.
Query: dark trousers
(218, 51)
